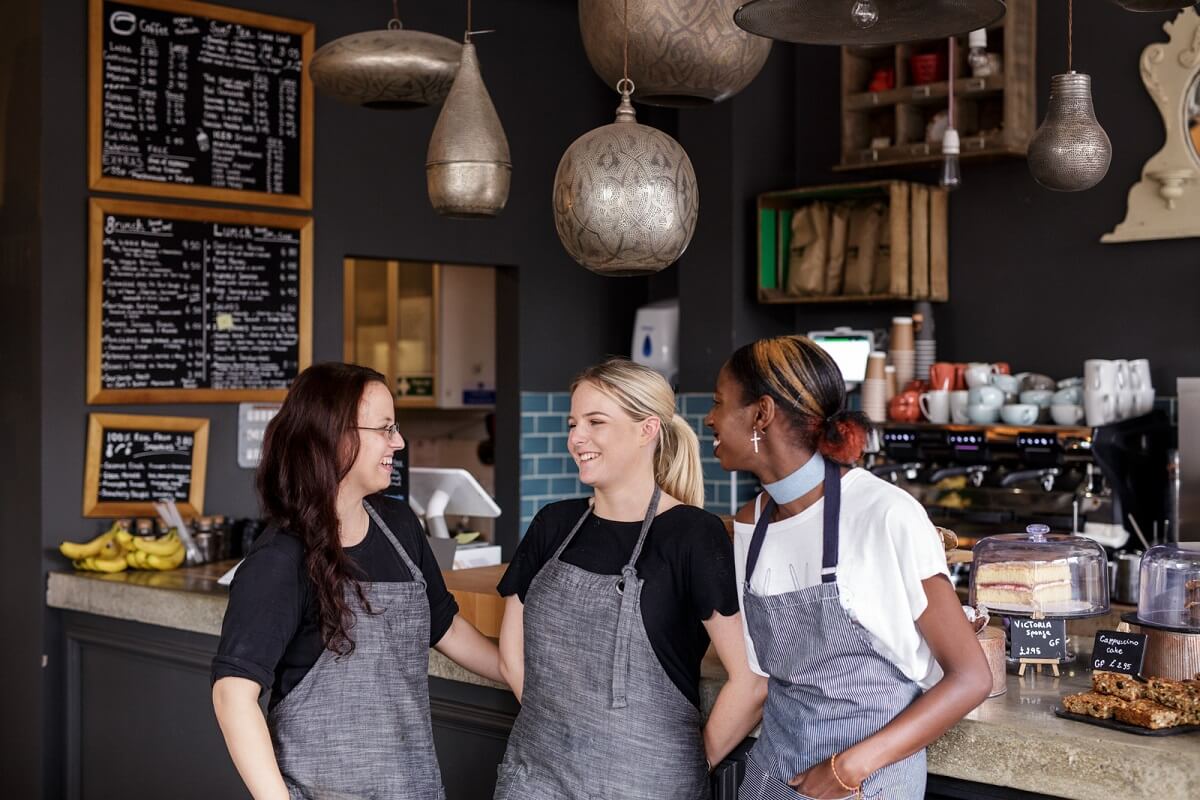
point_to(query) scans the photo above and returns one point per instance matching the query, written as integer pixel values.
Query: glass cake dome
(1169, 593)
(1054, 574)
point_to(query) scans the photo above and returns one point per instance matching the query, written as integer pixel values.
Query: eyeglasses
(390, 431)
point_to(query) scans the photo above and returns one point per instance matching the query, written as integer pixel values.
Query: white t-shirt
(887, 546)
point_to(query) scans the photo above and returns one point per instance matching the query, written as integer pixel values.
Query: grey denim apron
(828, 688)
(600, 719)
(358, 726)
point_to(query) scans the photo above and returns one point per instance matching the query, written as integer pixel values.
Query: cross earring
(756, 439)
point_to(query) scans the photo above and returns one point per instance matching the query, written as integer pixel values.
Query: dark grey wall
(21, 592)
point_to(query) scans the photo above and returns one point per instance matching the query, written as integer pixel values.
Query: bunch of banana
(117, 549)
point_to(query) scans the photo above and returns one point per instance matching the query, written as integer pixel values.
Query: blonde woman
(611, 605)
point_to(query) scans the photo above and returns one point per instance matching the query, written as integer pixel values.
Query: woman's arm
(469, 648)
(966, 684)
(512, 644)
(235, 701)
(739, 705)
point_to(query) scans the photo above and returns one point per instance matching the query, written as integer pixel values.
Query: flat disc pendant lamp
(684, 53)
(1154, 5)
(859, 22)
(468, 167)
(1069, 152)
(387, 69)
(625, 195)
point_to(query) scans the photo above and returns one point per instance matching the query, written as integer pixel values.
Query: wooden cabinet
(995, 115)
(429, 328)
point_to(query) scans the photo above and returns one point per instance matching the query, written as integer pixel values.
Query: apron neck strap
(651, 511)
(417, 575)
(832, 493)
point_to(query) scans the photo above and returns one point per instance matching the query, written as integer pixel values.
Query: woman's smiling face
(606, 443)
(731, 420)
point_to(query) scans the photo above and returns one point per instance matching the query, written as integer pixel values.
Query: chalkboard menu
(1037, 638)
(133, 461)
(1115, 651)
(200, 101)
(196, 304)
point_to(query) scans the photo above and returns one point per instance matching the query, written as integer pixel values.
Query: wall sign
(199, 101)
(252, 428)
(132, 461)
(191, 304)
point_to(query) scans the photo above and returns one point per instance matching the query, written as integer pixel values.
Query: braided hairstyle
(808, 389)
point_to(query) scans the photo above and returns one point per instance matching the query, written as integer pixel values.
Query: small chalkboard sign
(201, 101)
(189, 304)
(134, 461)
(1035, 639)
(1114, 651)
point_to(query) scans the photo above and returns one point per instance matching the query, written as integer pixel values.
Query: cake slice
(1115, 684)
(1092, 704)
(1147, 714)
(1023, 585)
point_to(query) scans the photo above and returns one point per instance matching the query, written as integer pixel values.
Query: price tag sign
(1037, 638)
(1114, 651)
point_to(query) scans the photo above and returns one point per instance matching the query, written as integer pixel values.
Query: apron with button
(358, 726)
(829, 688)
(600, 719)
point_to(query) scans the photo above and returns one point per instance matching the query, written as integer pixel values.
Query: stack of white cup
(1114, 390)
(874, 389)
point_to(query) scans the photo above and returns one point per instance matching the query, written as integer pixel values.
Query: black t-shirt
(686, 566)
(271, 634)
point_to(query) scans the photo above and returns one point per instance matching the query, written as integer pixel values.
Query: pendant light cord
(468, 18)
(1070, 35)
(625, 56)
(950, 87)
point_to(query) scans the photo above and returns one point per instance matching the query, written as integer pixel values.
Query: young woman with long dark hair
(845, 593)
(335, 608)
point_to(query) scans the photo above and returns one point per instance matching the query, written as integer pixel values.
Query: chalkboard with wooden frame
(199, 101)
(191, 304)
(133, 461)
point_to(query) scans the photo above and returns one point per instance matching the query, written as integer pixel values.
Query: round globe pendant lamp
(1069, 152)
(860, 22)
(625, 195)
(388, 69)
(683, 53)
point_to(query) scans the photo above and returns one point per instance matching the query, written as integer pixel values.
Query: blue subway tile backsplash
(548, 472)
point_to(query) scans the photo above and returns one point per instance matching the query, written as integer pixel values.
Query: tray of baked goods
(1156, 707)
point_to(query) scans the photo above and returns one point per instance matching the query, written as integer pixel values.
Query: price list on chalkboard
(144, 466)
(208, 102)
(197, 304)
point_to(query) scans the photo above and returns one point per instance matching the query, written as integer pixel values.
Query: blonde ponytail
(677, 462)
(643, 393)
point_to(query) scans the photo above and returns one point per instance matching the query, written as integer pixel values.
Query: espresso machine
(982, 480)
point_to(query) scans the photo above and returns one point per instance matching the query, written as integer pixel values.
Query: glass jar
(1169, 592)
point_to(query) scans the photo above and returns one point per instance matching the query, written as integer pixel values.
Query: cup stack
(874, 389)
(903, 354)
(926, 343)
(889, 383)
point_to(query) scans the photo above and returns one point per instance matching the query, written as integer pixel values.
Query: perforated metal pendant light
(860, 22)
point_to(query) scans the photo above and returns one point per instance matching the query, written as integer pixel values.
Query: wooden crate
(917, 252)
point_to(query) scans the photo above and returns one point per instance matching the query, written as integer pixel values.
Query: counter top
(1012, 740)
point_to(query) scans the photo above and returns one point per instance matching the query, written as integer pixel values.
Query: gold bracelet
(838, 778)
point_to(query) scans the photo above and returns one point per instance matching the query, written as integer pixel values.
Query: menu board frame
(99, 423)
(98, 181)
(98, 207)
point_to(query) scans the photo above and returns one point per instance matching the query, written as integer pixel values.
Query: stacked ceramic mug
(903, 355)
(1114, 390)
(874, 389)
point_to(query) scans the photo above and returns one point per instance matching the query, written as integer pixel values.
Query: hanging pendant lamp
(388, 69)
(625, 195)
(684, 53)
(468, 167)
(1154, 5)
(1069, 152)
(859, 22)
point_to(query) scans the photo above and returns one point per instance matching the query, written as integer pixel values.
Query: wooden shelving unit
(995, 115)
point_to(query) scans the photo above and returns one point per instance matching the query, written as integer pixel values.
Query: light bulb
(864, 13)
(951, 177)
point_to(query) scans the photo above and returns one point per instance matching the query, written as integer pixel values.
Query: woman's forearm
(247, 737)
(737, 710)
(512, 645)
(469, 648)
(918, 726)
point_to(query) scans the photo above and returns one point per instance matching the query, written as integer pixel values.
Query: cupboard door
(466, 342)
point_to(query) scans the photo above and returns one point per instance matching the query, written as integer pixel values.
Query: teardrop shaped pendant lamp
(684, 53)
(625, 195)
(387, 69)
(1069, 152)
(468, 167)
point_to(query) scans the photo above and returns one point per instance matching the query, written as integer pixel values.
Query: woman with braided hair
(845, 594)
